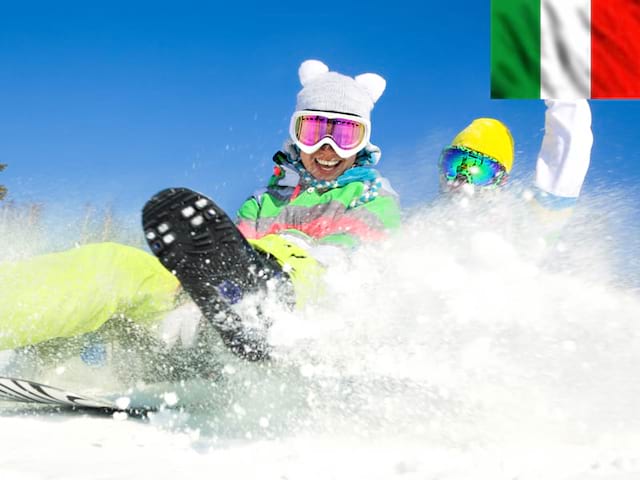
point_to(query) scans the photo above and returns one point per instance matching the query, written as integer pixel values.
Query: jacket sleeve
(247, 216)
(563, 161)
(565, 153)
(249, 210)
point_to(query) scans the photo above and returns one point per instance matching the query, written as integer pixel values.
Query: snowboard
(27, 391)
(196, 240)
(136, 402)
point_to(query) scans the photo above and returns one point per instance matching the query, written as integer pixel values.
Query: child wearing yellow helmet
(482, 155)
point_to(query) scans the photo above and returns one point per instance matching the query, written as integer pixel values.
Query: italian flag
(565, 49)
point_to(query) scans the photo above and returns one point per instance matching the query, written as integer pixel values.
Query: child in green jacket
(325, 196)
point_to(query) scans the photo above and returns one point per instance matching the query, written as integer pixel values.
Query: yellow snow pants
(73, 292)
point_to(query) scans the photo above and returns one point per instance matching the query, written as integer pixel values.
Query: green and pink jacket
(359, 207)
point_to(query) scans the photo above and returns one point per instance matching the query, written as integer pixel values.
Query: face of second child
(325, 163)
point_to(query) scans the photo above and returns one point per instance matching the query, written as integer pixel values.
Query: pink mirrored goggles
(347, 134)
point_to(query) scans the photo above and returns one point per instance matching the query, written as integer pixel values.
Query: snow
(461, 350)
(74, 447)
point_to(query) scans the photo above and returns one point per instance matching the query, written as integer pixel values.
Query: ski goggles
(347, 134)
(469, 166)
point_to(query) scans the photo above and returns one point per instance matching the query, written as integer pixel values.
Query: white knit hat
(334, 92)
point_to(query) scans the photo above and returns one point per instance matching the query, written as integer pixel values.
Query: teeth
(328, 163)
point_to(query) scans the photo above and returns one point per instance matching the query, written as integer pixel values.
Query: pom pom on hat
(373, 83)
(311, 69)
(332, 91)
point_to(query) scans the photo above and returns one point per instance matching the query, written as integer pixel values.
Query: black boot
(196, 240)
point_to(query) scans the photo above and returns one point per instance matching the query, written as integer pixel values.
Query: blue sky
(110, 102)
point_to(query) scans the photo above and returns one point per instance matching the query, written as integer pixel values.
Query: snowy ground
(74, 447)
(463, 350)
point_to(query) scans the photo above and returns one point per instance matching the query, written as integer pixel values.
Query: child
(480, 158)
(325, 197)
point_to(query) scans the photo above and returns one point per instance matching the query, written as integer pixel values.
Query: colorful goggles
(347, 134)
(468, 166)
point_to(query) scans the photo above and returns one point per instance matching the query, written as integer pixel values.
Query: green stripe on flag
(515, 48)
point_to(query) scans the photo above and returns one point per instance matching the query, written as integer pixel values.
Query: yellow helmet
(490, 137)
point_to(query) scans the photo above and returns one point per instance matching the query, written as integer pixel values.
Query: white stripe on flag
(565, 49)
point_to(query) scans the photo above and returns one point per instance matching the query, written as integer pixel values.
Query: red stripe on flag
(615, 49)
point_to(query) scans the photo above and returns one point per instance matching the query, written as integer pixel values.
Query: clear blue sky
(111, 101)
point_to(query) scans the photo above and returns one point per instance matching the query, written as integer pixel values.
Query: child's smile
(328, 165)
(325, 163)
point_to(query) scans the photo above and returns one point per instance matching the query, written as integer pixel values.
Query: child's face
(325, 163)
